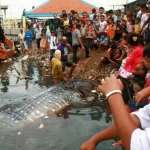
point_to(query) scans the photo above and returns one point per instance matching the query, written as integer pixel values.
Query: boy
(103, 41)
(137, 27)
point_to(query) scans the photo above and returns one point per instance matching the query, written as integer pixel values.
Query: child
(118, 34)
(75, 21)
(95, 42)
(137, 25)
(43, 43)
(131, 26)
(111, 28)
(89, 33)
(83, 32)
(103, 41)
(53, 44)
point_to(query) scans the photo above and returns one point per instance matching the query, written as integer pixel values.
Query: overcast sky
(15, 7)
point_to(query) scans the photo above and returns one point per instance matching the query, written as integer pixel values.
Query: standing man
(77, 42)
(21, 39)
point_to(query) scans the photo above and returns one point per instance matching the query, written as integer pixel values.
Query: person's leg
(56, 80)
(86, 50)
(38, 43)
(100, 63)
(52, 51)
(75, 53)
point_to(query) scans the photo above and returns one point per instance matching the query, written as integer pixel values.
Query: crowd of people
(125, 36)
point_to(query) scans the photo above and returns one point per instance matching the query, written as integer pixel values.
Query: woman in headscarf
(56, 68)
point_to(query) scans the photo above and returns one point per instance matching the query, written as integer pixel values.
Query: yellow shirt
(137, 28)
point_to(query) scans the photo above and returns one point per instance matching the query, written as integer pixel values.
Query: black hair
(146, 51)
(138, 4)
(93, 10)
(125, 31)
(94, 16)
(143, 5)
(102, 16)
(119, 10)
(101, 8)
(65, 15)
(133, 39)
(72, 11)
(133, 22)
(138, 18)
(114, 46)
(111, 18)
(78, 25)
(111, 11)
(103, 33)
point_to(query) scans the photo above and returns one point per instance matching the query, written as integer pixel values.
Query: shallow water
(64, 131)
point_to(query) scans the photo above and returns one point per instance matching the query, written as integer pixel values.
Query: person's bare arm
(124, 123)
(80, 41)
(109, 57)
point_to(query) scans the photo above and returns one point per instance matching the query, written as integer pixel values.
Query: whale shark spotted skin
(51, 100)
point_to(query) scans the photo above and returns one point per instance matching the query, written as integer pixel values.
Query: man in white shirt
(103, 24)
(144, 16)
(138, 10)
(53, 44)
(21, 39)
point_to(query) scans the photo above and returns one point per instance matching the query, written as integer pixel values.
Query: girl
(131, 26)
(111, 28)
(43, 44)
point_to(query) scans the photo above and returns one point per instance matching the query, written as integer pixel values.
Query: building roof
(56, 6)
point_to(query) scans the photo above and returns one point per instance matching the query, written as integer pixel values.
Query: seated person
(56, 68)
(118, 34)
(64, 47)
(103, 41)
(112, 54)
(95, 42)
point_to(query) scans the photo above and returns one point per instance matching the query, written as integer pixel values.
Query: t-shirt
(144, 18)
(140, 138)
(96, 24)
(103, 26)
(48, 32)
(137, 28)
(83, 31)
(21, 37)
(75, 35)
(28, 36)
(64, 52)
(53, 41)
(37, 33)
(102, 39)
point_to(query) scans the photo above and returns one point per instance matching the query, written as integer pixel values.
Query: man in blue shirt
(64, 47)
(28, 39)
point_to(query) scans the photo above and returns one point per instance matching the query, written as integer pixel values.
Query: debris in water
(41, 126)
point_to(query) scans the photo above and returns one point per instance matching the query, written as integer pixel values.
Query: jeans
(148, 37)
(75, 48)
(38, 43)
(52, 51)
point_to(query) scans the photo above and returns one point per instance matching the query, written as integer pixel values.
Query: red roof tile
(56, 6)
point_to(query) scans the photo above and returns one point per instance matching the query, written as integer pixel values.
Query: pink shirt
(134, 58)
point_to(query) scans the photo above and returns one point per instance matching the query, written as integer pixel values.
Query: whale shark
(47, 102)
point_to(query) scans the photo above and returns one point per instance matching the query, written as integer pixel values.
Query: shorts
(48, 38)
(68, 64)
(29, 44)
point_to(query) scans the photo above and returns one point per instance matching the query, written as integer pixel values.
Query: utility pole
(1, 16)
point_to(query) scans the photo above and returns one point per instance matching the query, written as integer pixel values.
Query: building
(51, 7)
